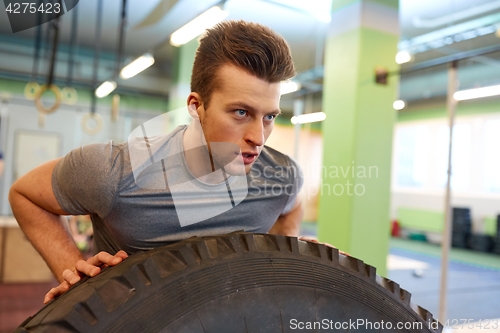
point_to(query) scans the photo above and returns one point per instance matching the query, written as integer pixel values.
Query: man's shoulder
(135, 147)
(98, 153)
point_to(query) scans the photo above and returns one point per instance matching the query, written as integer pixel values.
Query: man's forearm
(289, 224)
(47, 232)
(281, 228)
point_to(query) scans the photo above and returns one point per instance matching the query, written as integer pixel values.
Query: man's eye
(270, 116)
(240, 112)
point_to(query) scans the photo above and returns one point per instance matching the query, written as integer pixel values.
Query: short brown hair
(247, 45)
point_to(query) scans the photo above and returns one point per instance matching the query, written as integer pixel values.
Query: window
(491, 162)
(412, 146)
(460, 156)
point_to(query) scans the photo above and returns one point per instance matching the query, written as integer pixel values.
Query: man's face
(241, 111)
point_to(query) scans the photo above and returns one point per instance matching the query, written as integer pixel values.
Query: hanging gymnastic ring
(38, 100)
(85, 127)
(115, 107)
(41, 119)
(69, 95)
(31, 89)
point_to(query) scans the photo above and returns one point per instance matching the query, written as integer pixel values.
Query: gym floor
(18, 301)
(473, 289)
(473, 282)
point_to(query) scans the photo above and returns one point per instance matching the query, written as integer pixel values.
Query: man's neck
(197, 156)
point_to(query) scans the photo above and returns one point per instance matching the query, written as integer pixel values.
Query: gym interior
(379, 84)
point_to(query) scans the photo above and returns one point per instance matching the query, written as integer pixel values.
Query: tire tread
(111, 290)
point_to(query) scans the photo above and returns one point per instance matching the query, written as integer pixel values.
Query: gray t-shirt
(98, 180)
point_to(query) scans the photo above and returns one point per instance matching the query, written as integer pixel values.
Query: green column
(181, 79)
(357, 133)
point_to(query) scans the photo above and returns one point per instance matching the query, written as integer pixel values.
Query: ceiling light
(477, 93)
(105, 89)
(403, 57)
(486, 30)
(137, 66)
(320, 9)
(287, 87)
(308, 118)
(197, 26)
(398, 105)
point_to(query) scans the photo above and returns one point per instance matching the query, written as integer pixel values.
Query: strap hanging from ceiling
(45, 47)
(97, 50)
(121, 39)
(32, 87)
(69, 94)
(115, 106)
(50, 79)
(48, 31)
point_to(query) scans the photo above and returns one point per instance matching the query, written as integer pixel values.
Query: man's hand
(309, 239)
(91, 268)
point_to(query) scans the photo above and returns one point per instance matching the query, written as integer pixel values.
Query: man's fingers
(327, 244)
(308, 239)
(104, 258)
(341, 252)
(70, 277)
(93, 265)
(122, 254)
(57, 291)
(91, 268)
(87, 268)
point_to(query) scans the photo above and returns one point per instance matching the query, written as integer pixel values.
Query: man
(234, 100)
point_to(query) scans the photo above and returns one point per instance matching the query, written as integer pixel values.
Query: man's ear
(194, 103)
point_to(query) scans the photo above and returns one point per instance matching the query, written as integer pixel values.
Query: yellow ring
(69, 95)
(38, 100)
(85, 127)
(30, 90)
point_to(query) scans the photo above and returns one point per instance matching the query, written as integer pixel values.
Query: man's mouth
(249, 157)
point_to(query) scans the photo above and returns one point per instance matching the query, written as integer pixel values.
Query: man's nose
(255, 133)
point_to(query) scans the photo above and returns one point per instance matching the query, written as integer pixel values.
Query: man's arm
(38, 213)
(39, 216)
(289, 224)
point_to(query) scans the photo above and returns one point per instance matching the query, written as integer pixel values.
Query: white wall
(20, 115)
(429, 195)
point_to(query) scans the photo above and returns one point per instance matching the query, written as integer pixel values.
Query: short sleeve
(86, 180)
(297, 180)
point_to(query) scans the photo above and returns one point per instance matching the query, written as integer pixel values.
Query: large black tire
(240, 282)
